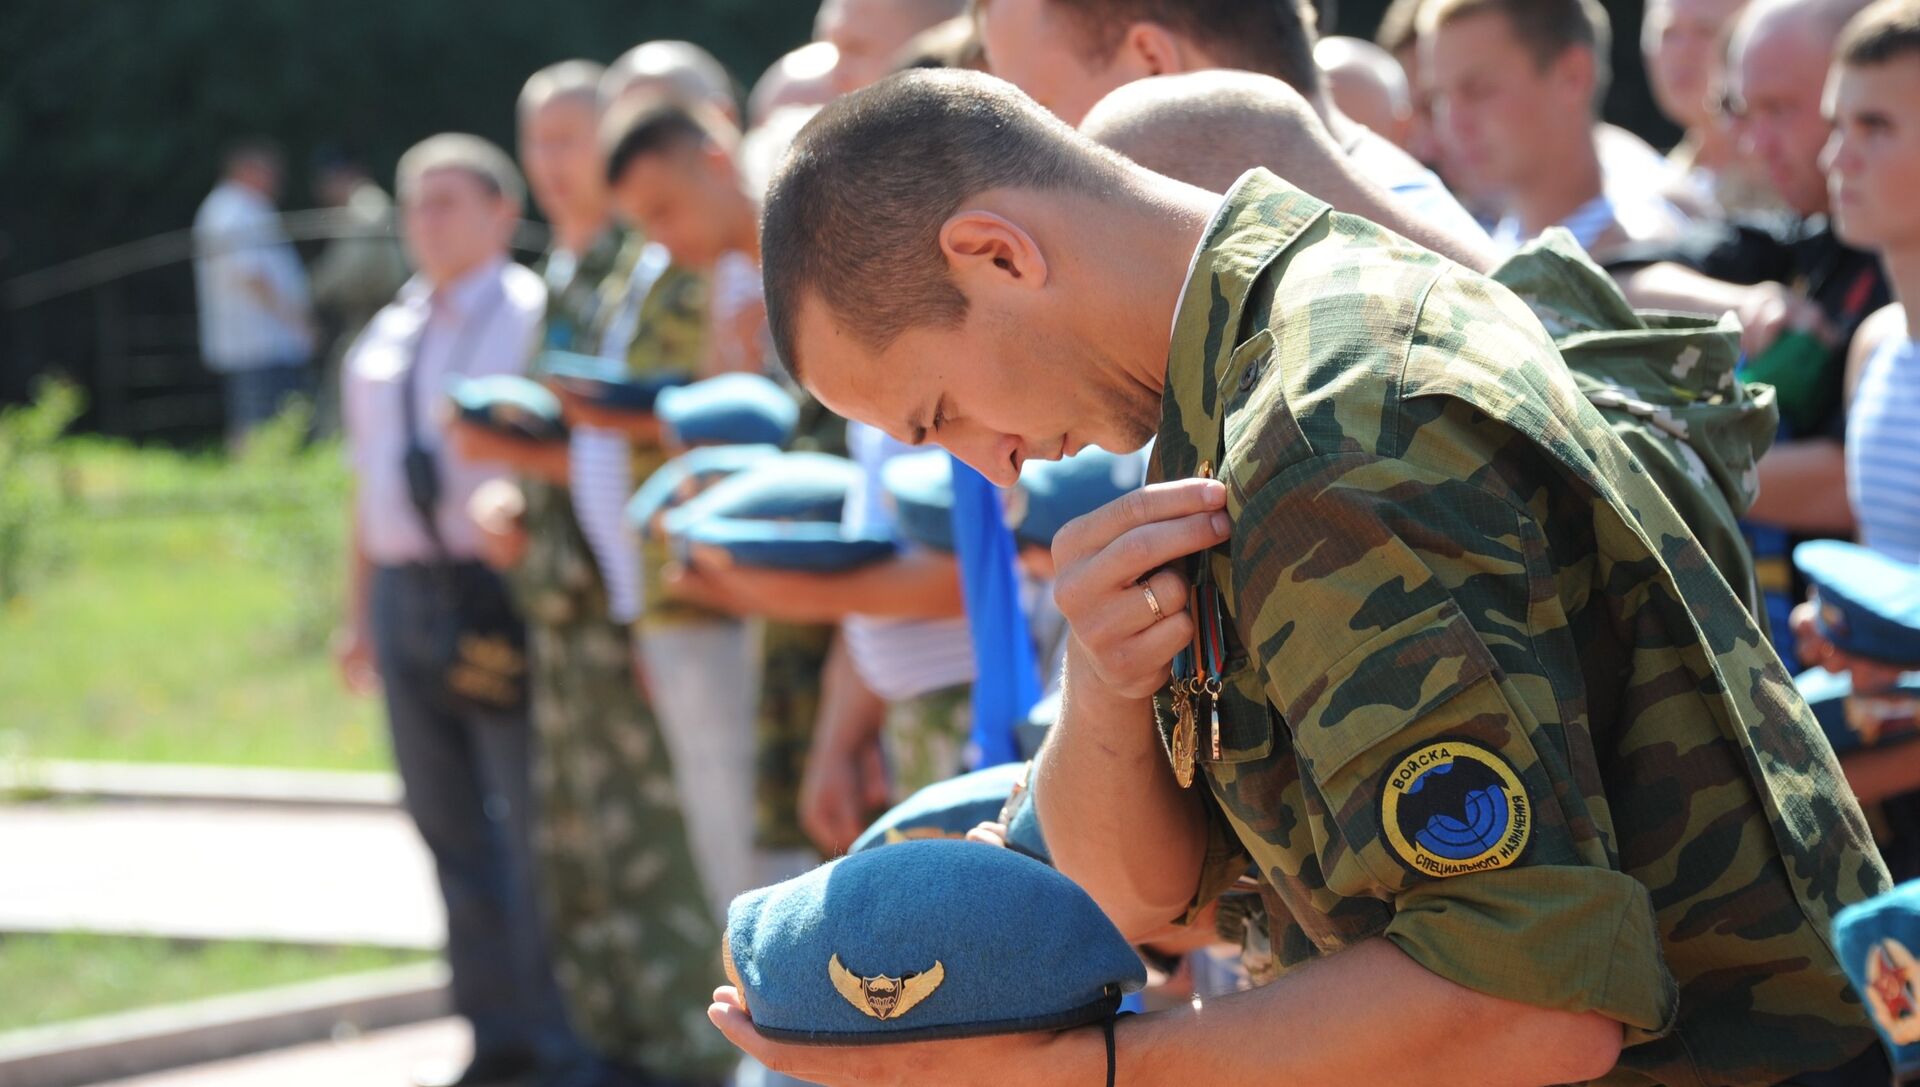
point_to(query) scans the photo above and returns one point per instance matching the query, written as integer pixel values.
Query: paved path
(218, 871)
(384, 1058)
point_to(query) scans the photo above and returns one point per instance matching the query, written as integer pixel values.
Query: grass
(71, 975)
(181, 616)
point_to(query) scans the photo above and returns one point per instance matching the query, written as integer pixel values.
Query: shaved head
(674, 69)
(1208, 128)
(1367, 84)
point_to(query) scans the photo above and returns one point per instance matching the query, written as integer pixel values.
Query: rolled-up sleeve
(1396, 616)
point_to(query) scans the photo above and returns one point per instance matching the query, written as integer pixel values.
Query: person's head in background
(335, 179)
(869, 34)
(1516, 85)
(1068, 54)
(559, 122)
(256, 164)
(1684, 43)
(672, 169)
(1208, 128)
(670, 69)
(1368, 85)
(952, 44)
(460, 198)
(1778, 67)
(1399, 34)
(1873, 156)
(801, 78)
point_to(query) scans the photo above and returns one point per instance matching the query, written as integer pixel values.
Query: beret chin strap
(1106, 1028)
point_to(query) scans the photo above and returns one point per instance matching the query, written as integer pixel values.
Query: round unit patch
(1891, 973)
(1452, 807)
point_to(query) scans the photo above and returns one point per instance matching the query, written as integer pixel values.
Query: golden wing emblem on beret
(883, 997)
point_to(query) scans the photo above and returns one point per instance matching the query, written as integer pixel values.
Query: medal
(1189, 686)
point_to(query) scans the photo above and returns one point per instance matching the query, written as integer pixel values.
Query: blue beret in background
(606, 382)
(732, 409)
(1868, 605)
(946, 809)
(1874, 940)
(687, 476)
(782, 513)
(1051, 493)
(511, 406)
(925, 940)
(920, 485)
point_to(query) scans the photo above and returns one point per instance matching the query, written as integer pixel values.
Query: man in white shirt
(255, 315)
(469, 312)
(1516, 84)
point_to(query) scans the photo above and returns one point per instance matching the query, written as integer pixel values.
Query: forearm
(1140, 860)
(1368, 1014)
(916, 585)
(1677, 287)
(1803, 488)
(850, 714)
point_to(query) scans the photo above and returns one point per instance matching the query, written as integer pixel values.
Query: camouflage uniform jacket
(1485, 694)
(1665, 383)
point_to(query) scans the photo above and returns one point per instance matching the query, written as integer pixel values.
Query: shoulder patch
(1452, 807)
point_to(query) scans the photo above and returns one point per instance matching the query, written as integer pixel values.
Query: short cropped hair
(459, 151)
(1885, 31)
(577, 80)
(854, 213)
(648, 126)
(1272, 37)
(1545, 28)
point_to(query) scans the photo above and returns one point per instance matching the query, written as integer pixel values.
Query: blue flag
(1006, 670)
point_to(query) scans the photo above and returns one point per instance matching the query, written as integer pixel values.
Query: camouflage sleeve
(1392, 609)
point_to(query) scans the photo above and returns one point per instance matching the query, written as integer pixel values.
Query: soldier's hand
(840, 789)
(1108, 561)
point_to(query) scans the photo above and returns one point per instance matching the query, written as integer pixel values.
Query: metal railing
(123, 323)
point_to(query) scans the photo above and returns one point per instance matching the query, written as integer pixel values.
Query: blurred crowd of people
(607, 729)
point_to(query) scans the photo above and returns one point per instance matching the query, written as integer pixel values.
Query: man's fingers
(1137, 666)
(1120, 614)
(1150, 547)
(1159, 502)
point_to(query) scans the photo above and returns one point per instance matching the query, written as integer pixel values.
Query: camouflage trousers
(635, 949)
(792, 655)
(926, 738)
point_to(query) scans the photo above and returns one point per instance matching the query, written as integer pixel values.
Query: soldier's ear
(987, 251)
(1149, 49)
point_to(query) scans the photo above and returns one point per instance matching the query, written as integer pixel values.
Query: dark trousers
(468, 790)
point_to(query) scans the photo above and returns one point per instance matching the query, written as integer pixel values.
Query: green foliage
(169, 632)
(29, 487)
(305, 487)
(73, 975)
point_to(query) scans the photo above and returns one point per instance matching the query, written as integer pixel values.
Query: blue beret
(732, 409)
(607, 382)
(1051, 493)
(511, 406)
(1873, 939)
(1867, 604)
(946, 809)
(925, 940)
(781, 513)
(809, 546)
(688, 475)
(921, 487)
